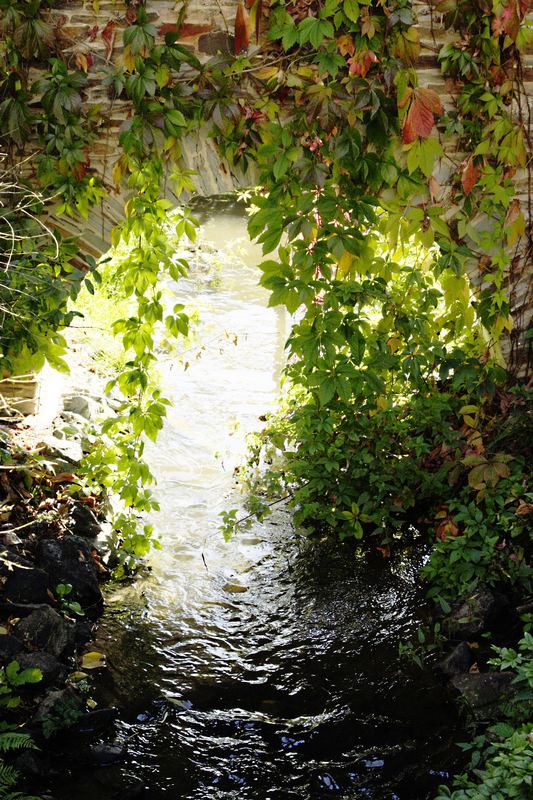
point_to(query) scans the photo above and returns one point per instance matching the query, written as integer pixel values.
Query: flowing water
(267, 667)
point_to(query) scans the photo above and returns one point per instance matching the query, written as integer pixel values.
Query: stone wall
(207, 28)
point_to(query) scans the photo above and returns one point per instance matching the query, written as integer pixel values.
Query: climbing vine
(398, 256)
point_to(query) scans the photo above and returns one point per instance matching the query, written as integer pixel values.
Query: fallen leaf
(93, 660)
(234, 588)
(77, 676)
(64, 477)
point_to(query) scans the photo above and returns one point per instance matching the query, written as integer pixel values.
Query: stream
(266, 667)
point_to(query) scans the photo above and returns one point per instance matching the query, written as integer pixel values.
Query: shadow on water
(267, 667)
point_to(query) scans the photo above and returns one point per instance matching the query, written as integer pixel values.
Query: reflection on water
(266, 667)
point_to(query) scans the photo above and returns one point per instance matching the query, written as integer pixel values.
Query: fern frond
(8, 777)
(16, 796)
(15, 741)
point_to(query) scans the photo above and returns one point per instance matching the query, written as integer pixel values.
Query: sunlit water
(267, 667)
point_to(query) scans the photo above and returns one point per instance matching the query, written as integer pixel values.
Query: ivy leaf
(469, 175)
(315, 30)
(351, 9)
(108, 35)
(346, 45)
(507, 20)
(422, 155)
(329, 62)
(515, 223)
(326, 391)
(162, 75)
(420, 119)
(407, 45)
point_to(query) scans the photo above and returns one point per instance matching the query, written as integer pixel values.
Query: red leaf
(418, 122)
(131, 15)
(431, 100)
(108, 35)
(470, 175)
(242, 29)
(446, 528)
(508, 20)
(420, 119)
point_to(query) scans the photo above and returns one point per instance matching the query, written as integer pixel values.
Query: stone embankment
(51, 574)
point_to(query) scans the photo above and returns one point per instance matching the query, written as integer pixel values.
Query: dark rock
(98, 720)
(47, 630)
(34, 764)
(483, 689)
(10, 647)
(51, 668)
(480, 612)
(133, 791)
(83, 522)
(83, 631)
(69, 560)
(103, 754)
(26, 584)
(458, 661)
(64, 707)
(20, 609)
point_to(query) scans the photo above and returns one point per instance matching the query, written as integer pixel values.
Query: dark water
(267, 667)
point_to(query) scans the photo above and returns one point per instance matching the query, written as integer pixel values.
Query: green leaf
(326, 390)
(352, 10)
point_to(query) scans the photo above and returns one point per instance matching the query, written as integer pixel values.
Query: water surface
(267, 667)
